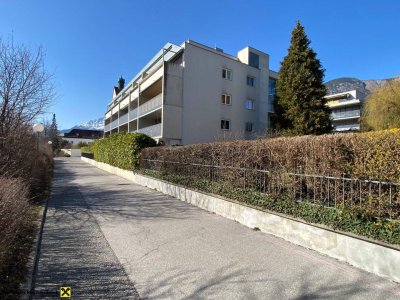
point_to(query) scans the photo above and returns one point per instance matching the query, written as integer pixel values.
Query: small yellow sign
(65, 292)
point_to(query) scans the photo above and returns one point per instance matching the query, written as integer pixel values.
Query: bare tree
(26, 88)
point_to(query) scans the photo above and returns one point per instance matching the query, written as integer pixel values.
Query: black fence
(380, 197)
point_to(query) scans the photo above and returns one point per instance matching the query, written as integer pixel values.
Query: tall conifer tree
(53, 133)
(300, 106)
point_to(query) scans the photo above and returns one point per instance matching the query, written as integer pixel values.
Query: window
(227, 74)
(272, 86)
(225, 124)
(250, 81)
(226, 99)
(254, 60)
(249, 126)
(249, 104)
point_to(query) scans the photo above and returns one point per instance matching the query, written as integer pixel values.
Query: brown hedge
(371, 155)
(13, 211)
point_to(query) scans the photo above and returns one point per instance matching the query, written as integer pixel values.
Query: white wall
(202, 89)
(172, 109)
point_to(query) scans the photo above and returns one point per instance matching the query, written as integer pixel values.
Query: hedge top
(370, 155)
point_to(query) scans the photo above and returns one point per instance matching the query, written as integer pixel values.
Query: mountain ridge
(344, 84)
(94, 124)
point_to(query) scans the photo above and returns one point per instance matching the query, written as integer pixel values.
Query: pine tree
(121, 83)
(53, 133)
(300, 106)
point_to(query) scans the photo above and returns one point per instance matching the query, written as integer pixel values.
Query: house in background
(346, 110)
(76, 136)
(191, 93)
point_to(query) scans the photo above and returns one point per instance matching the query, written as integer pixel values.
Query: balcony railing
(114, 124)
(347, 114)
(107, 127)
(153, 130)
(133, 114)
(347, 127)
(152, 104)
(123, 119)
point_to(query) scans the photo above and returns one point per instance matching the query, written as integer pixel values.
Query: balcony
(348, 127)
(133, 114)
(107, 127)
(153, 104)
(123, 119)
(153, 131)
(343, 103)
(346, 115)
(114, 124)
(149, 80)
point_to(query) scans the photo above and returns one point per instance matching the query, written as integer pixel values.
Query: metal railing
(123, 119)
(107, 127)
(153, 130)
(133, 114)
(382, 197)
(152, 104)
(346, 114)
(114, 124)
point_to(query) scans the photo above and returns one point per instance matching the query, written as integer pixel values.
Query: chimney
(121, 83)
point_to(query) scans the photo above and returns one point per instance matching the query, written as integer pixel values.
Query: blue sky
(90, 43)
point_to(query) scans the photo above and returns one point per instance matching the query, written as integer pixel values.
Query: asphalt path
(108, 238)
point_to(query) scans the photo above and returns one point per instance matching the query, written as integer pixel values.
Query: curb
(27, 288)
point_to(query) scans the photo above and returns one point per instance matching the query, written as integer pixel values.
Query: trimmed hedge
(88, 148)
(87, 151)
(370, 155)
(349, 219)
(122, 150)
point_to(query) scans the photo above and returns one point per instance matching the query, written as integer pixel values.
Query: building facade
(76, 136)
(346, 110)
(192, 93)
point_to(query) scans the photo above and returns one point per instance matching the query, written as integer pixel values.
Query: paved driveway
(109, 238)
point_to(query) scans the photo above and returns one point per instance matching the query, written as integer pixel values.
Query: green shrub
(82, 144)
(88, 148)
(122, 150)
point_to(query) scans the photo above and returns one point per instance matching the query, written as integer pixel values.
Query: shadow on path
(74, 252)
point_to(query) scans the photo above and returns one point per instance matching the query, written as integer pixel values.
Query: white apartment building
(346, 110)
(195, 94)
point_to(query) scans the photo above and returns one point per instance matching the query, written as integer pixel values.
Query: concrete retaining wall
(378, 259)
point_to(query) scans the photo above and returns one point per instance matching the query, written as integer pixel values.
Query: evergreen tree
(53, 127)
(300, 106)
(53, 134)
(121, 83)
